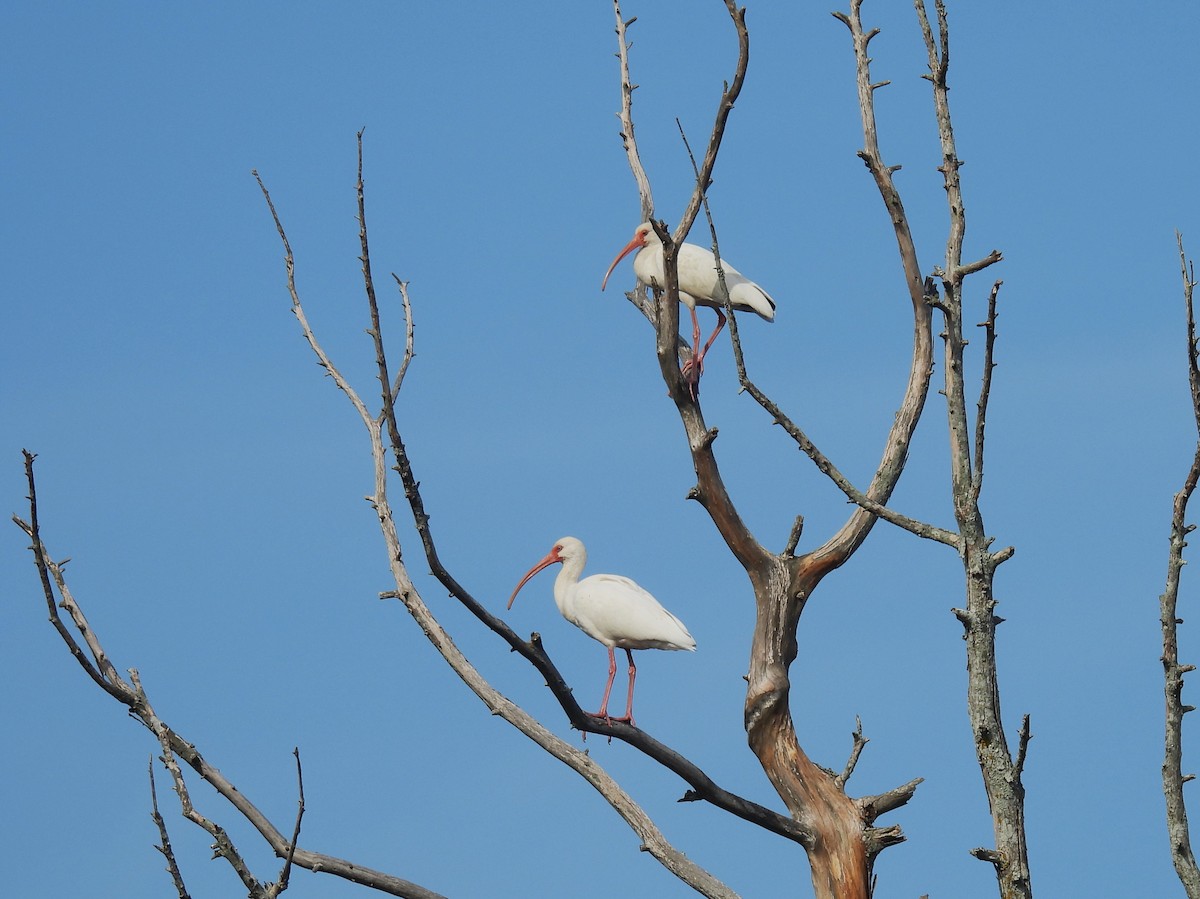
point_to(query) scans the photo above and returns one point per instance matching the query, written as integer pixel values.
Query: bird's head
(642, 236)
(564, 548)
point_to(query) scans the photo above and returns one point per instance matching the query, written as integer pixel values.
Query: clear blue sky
(207, 481)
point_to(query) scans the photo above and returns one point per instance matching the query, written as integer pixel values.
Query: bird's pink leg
(720, 324)
(612, 675)
(694, 367)
(629, 701)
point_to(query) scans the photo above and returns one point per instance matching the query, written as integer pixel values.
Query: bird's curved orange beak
(550, 559)
(639, 241)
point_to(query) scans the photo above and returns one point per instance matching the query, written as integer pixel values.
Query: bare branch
(985, 389)
(851, 535)
(732, 90)
(102, 672)
(408, 338)
(639, 297)
(826, 467)
(1001, 775)
(789, 550)
(223, 846)
(1173, 777)
(290, 263)
(882, 803)
(285, 874)
(1024, 735)
(859, 743)
(626, 116)
(164, 840)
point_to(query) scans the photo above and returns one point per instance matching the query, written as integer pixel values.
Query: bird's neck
(565, 584)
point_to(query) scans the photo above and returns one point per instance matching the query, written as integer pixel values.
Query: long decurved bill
(550, 559)
(638, 241)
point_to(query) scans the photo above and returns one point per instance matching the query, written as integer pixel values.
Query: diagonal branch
(842, 544)
(131, 694)
(728, 97)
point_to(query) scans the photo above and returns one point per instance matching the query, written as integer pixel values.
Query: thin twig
(1024, 735)
(860, 743)
(722, 287)
(164, 840)
(626, 116)
(825, 466)
(408, 337)
(985, 389)
(223, 845)
(286, 873)
(789, 549)
(639, 297)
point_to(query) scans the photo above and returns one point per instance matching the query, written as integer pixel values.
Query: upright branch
(1001, 774)
(164, 844)
(626, 115)
(1173, 672)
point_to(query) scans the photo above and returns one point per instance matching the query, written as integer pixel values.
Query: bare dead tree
(837, 831)
(1173, 672)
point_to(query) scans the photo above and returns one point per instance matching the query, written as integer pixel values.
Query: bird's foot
(603, 715)
(691, 372)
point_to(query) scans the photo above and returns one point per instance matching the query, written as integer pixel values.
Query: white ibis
(611, 609)
(698, 283)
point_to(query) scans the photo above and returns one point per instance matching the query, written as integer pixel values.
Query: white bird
(611, 609)
(698, 283)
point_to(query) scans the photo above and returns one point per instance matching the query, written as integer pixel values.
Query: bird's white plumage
(618, 612)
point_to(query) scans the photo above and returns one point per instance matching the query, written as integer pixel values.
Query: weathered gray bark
(1173, 672)
(1001, 773)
